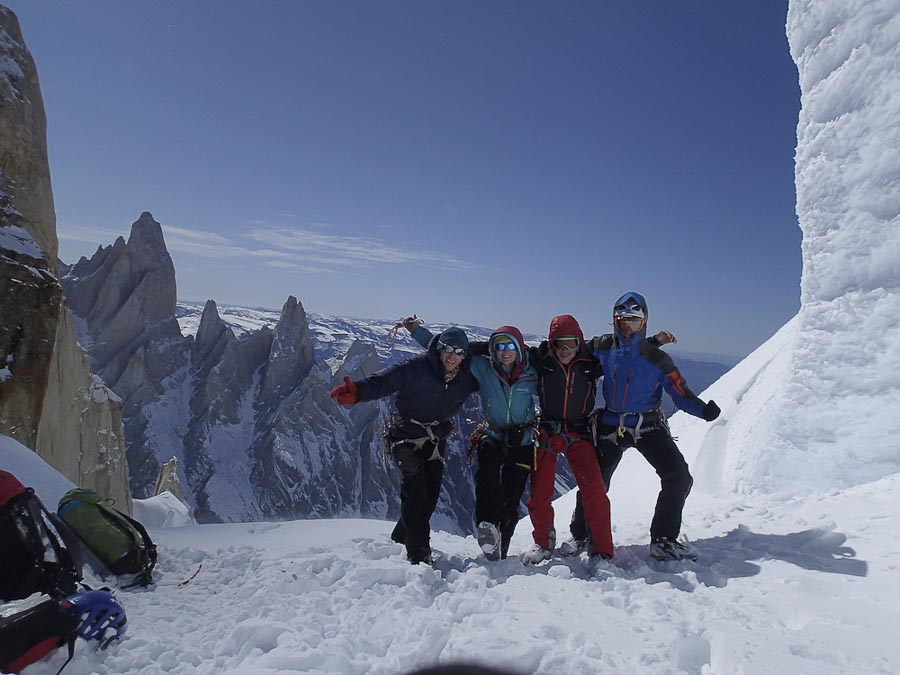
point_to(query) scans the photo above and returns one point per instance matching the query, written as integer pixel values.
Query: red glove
(345, 394)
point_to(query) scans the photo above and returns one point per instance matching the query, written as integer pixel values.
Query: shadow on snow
(732, 555)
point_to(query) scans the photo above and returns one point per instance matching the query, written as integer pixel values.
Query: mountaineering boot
(663, 548)
(572, 546)
(601, 566)
(536, 554)
(421, 556)
(489, 540)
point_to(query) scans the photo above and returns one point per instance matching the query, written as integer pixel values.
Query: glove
(345, 394)
(664, 337)
(711, 411)
(410, 323)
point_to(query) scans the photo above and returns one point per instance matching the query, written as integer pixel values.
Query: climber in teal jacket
(507, 385)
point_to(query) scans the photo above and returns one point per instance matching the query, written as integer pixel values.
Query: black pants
(660, 451)
(499, 483)
(420, 487)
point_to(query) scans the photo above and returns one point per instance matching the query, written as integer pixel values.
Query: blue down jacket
(635, 372)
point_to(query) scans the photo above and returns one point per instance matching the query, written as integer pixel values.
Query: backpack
(39, 554)
(33, 633)
(119, 542)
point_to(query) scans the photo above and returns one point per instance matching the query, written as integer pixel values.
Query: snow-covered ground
(784, 584)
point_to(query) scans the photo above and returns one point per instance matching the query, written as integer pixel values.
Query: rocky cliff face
(81, 432)
(49, 400)
(29, 291)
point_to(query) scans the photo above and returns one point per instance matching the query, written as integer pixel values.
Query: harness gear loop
(636, 434)
(650, 420)
(481, 432)
(418, 442)
(553, 439)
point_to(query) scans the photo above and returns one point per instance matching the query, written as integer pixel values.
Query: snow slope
(784, 585)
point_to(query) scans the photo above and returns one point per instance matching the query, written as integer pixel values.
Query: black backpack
(33, 633)
(38, 552)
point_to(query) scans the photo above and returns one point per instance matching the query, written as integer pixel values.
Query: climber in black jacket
(430, 390)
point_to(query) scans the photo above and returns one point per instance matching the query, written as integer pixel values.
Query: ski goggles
(566, 344)
(450, 349)
(505, 346)
(628, 309)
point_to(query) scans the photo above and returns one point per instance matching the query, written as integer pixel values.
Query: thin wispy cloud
(202, 243)
(341, 249)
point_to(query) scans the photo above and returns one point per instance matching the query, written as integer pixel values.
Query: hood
(565, 325)
(455, 337)
(513, 334)
(628, 297)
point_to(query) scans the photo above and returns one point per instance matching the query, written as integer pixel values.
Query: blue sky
(481, 163)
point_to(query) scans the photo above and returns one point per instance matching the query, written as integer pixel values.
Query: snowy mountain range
(247, 416)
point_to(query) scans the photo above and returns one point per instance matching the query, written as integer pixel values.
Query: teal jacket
(507, 400)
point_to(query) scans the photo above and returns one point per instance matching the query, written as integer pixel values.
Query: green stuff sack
(119, 542)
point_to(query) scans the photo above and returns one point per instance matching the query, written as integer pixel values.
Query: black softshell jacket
(421, 392)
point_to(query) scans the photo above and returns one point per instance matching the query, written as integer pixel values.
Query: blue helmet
(99, 612)
(630, 315)
(630, 304)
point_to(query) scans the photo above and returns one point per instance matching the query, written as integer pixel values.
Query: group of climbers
(514, 444)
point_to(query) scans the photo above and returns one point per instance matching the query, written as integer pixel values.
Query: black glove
(711, 411)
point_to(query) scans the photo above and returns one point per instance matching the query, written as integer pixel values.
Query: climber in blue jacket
(635, 373)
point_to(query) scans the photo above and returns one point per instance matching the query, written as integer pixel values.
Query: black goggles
(628, 309)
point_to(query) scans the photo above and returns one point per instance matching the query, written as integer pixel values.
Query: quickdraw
(401, 323)
(474, 441)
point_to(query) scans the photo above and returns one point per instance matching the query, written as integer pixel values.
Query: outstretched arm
(381, 384)
(423, 336)
(683, 397)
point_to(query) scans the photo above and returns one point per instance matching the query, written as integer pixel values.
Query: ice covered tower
(820, 406)
(845, 375)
